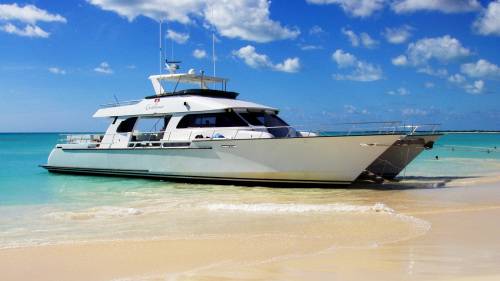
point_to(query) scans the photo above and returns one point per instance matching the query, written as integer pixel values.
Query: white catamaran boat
(209, 135)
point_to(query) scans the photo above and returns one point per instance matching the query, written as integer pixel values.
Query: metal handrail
(305, 130)
(122, 103)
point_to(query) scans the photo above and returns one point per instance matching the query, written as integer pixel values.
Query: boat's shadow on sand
(411, 182)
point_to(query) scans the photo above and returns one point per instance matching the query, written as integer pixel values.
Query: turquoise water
(38, 207)
(459, 155)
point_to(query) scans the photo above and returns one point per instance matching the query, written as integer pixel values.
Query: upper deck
(181, 101)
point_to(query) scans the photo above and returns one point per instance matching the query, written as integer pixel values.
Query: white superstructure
(209, 135)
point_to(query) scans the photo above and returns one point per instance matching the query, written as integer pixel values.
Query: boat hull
(329, 160)
(395, 159)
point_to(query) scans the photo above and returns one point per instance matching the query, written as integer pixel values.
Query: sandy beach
(463, 243)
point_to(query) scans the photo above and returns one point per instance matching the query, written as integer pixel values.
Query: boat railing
(418, 129)
(346, 129)
(121, 103)
(185, 136)
(80, 138)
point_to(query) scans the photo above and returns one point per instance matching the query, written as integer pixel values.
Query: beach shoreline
(462, 243)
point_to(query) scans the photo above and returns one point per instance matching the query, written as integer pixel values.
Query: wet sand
(462, 244)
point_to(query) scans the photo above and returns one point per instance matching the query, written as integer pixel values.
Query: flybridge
(190, 78)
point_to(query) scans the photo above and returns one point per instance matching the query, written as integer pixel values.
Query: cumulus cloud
(200, 54)
(445, 6)
(399, 92)
(316, 31)
(481, 69)
(262, 62)
(343, 59)
(363, 71)
(400, 61)
(13, 14)
(476, 88)
(444, 49)
(430, 85)
(488, 23)
(28, 31)
(104, 68)
(355, 8)
(414, 112)
(457, 78)
(180, 38)
(397, 35)
(244, 19)
(56, 70)
(442, 72)
(364, 39)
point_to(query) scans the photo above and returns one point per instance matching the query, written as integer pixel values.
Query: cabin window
(263, 119)
(254, 119)
(224, 119)
(127, 125)
(275, 126)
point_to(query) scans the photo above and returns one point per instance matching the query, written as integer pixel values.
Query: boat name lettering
(150, 107)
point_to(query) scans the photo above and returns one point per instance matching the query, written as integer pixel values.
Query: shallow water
(41, 208)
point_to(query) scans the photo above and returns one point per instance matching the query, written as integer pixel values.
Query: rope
(466, 146)
(472, 150)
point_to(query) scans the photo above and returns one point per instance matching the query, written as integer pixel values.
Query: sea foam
(96, 213)
(300, 208)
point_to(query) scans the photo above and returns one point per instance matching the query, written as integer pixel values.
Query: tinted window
(226, 119)
(127, 125)
(254, 118)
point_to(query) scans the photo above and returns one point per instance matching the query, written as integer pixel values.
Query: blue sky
(319, 61)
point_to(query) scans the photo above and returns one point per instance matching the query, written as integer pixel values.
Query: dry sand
(461, 245)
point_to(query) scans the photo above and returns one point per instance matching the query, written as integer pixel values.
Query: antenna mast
(160, 37)
(213, 37)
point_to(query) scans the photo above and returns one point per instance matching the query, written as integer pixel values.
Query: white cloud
(247, 20)
(200, 54)
(316, 31)
(481, 69)
(400, 61)
(400, 92)
(461, 81)
(355, 8)
(364, 71)
(444, 49)
(104, 68)
(431, 71)
(244, 19)
(397, 35)
(310, 47)
(363, 39)
(27, 14)
(489, 20)
(180, 38)
(368, 41)
(413, 112)
(457, 78)
(445, 6)
(353, 38)
(430, 85)
(56, 70)
(343, 59)
(28, 31)
(262, 62)
(476, 88)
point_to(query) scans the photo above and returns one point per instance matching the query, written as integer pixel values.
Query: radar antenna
(173, 66)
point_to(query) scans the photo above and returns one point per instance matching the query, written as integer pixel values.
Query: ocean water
(42, 208)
